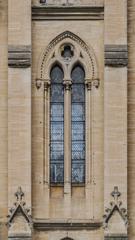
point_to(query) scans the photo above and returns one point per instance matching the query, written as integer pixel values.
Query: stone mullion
(46, 141)
(46, 131)
(67, 137)
(88, 167)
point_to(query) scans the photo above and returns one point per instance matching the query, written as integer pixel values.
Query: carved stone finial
(67, 84)
(115, 205)
(19, 194)
(116, 194)
(19, 206)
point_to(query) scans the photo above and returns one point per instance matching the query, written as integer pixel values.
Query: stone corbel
(39, 82)
(67, 84)
(96, 83)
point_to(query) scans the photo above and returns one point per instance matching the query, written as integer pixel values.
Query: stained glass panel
(78, 173)
(78, 93)
(78, 125)
(57, 126)
(57, 111)
(57, 175)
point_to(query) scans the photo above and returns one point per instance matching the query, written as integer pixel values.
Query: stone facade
(33, 34)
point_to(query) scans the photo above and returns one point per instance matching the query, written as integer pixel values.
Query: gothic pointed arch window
(68, 72)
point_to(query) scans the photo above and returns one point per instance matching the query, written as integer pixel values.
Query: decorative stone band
(53, 226)
(116, 55)
(70, 12)
(16, 237)
(116, 237)
(19, 56)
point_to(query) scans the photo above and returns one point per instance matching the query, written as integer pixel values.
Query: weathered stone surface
(32, 34)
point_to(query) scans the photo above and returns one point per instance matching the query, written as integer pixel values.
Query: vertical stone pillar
(67, 147)
(115, 113)
(19, 112)
(3, 118)
(131, 119)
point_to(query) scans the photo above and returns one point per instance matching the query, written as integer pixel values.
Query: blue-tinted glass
(78, 93)
(57, 75)
(78, 131)
(57, 175)
(78, 75)
(78, 125)
(57, 131)
(78, 172)
(57, 93)
(57, 151)
(57, 111)
(57, 126)
(78, 150)
(78, 112)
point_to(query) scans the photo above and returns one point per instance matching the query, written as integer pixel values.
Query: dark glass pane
(57, 93)
(78, 130)
(57, 111)
(78, 173)
(56, 75)
(57, 173)
(78, 75)
(78, 93)
(57, 151)
(78, 112)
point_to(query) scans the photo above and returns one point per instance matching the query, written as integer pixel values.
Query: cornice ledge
(116, 55)
(19, 56)
(70, 12)
(116, 237)
(53, 226)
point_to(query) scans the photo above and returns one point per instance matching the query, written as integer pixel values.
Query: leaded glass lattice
(78, 125)
(57, 126)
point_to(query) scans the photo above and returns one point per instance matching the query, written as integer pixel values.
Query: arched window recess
(67, 71)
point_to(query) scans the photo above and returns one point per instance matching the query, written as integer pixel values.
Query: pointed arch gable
(47, 54)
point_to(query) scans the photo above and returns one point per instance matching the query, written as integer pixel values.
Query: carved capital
(46, 85)
(88, 84)
(67, 84)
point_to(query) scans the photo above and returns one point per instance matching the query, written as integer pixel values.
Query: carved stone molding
(19, 56)
(115, 205)
(116, 55)
(19, 206)
(69, 12)
(53, 226)
(92, 61)
(116, 237)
